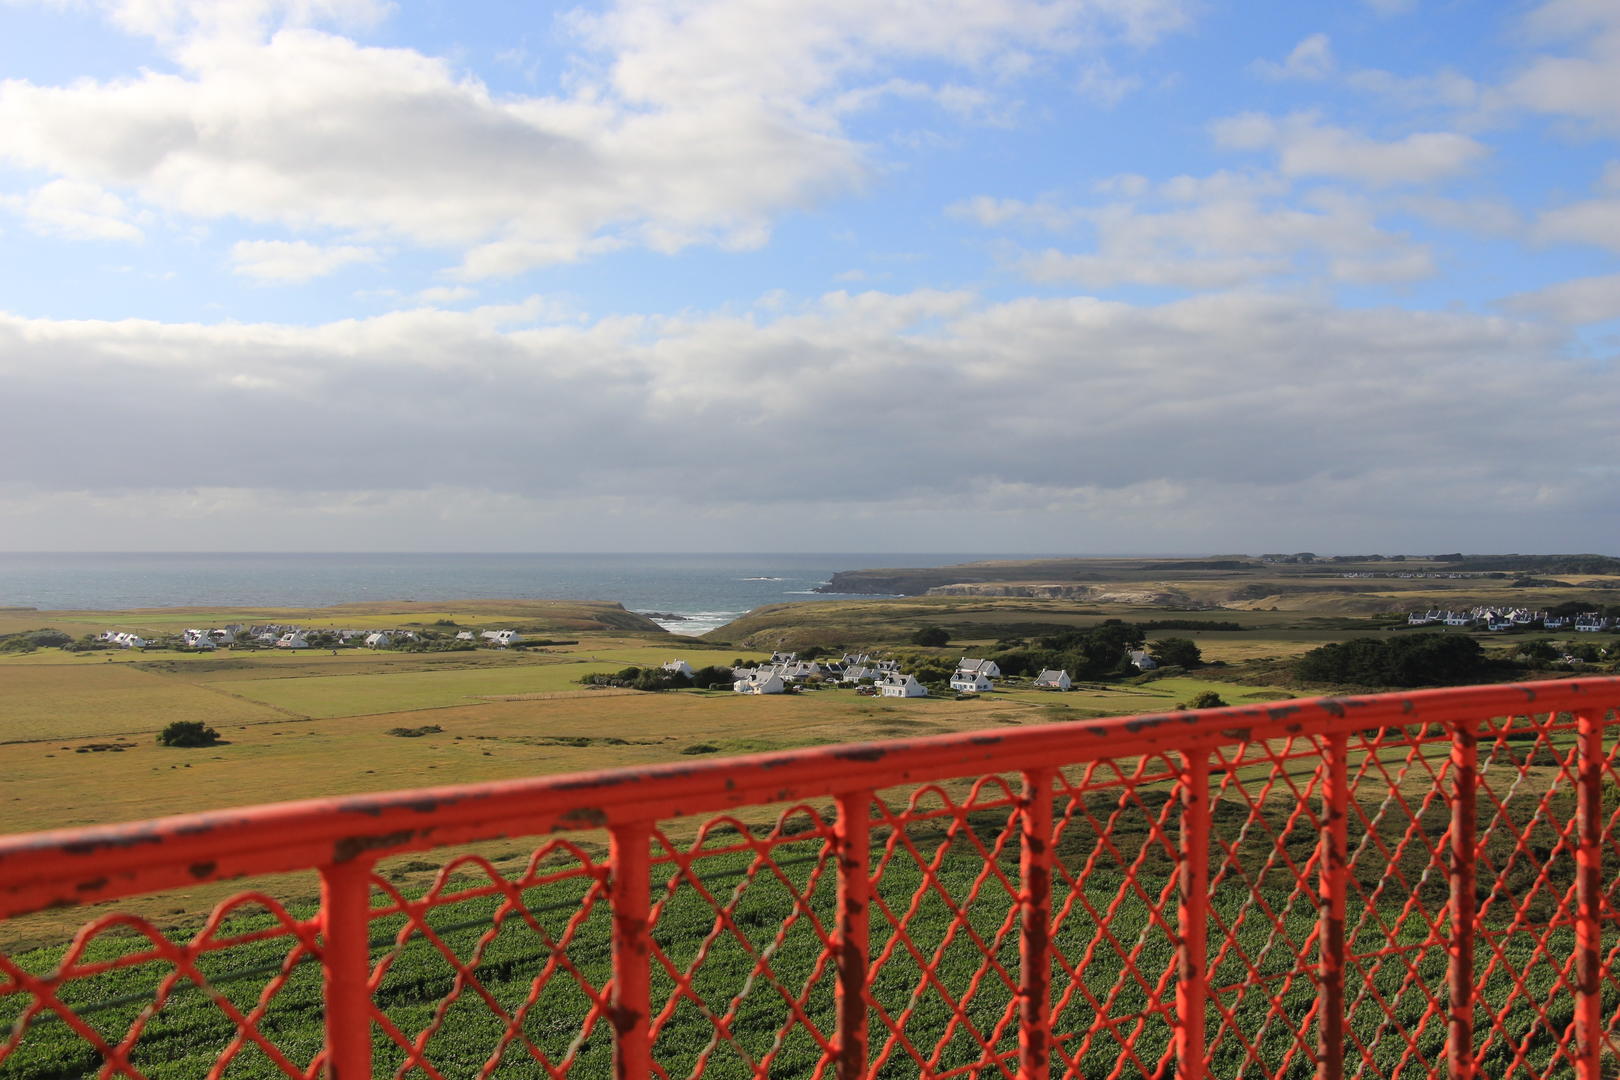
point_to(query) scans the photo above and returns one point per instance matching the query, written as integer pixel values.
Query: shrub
(415, 732)
(188, 733)
(700, 748)
(714, 675)
(1207, 699)
(931, 636)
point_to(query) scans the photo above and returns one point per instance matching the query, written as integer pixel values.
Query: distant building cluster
(783, 669)
(1414, 574)
(293, 637)
(1495, 618)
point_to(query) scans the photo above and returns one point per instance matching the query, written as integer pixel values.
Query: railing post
(346, 968)
(1192, 917)
(1034, 941)
(851, 934)
(1588, 895)
(632, 970)
(1332, 886)
(1462, 906)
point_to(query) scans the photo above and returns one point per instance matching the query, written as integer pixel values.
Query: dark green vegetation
(1413, 660)
(1089, 654)
(188, 733)
(656, 679)
(28, 640)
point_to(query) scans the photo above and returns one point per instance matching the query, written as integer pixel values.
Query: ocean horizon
(691, 593)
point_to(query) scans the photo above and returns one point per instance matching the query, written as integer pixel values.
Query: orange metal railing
(1421, 884)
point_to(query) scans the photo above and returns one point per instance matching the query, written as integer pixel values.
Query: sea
(689, 594)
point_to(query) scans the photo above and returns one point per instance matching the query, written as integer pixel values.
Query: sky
(810, 275)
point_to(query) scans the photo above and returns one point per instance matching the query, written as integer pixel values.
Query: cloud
(1577, 302)
(1312, 59)
(1101, 85)
(291, 261)
(1591, 221)
(1445, 88)
(1584, 86)
(1307, 147)
(446, 294)
(171, 19)
(79, 211)
(681, 125)
(992, 392)
(1210, 232)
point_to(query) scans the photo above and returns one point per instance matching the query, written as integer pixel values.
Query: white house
(378, 640)
(1142, 660)
(678, 667)
(1053, 680)
(760, 682)
(971, 682)
(198, 638)
(987, 668)
(894, 684)
(784, 657)
(1556, 622)
(1459, 618)
(466, 635)
(129, 640)
(292, 639)
(1590, 623)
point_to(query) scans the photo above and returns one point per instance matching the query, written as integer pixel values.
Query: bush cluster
(1413, 660)
(188, 733)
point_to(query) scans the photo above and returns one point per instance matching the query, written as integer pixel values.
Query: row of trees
(655, 679)
(1095, 652)
(1409, 660)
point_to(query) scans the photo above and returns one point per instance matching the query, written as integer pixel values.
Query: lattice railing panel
(493, 973)
(1398, 829)
(1115, 829)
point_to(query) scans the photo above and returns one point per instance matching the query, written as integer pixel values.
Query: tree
(705, 677)
(188, 733)
(1415, 660)
(1207, 699)
(932, 636)
(1176, 652)
(1539, 649)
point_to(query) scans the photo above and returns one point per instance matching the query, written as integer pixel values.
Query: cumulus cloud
(79, 211)
(1590, 221)
(1578, 302)
(681, 125)
(291, 261)
(1307, 147)
(1312, 59)
(1585, 86)
(1210, 232)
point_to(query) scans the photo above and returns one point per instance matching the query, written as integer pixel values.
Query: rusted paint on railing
(1035, 927)
(1463, 903)
(1192, 917)
(1589, 1034)
(1413, 752)
(853, 933)
(1333, 886)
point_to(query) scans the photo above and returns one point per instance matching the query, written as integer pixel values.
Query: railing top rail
(77, 866)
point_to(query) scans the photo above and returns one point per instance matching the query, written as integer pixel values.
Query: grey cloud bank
(870, 416)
